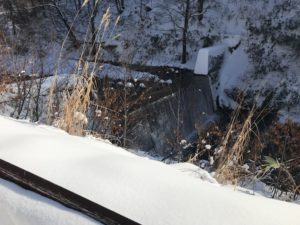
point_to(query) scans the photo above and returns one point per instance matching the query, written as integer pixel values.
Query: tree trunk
(120, 6)
(141, 9)
(93, 26)
(8, 4)
(200, 9)
(71, 34)
(185, 30)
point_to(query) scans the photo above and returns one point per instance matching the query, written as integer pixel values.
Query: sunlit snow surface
(141, 189)
(21, 207)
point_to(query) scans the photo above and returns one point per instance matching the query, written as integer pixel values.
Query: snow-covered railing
(59, 194)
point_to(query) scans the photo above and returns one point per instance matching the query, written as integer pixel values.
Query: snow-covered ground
(149, 32)
(266, 60)
(35, 91)
(116, 72)
(141, 189)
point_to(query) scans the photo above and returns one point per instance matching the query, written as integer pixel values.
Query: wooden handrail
(59, 194)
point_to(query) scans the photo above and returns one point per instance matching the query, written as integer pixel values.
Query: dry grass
(229, 168)
(4, 81)
(72, 118)
(246, 142)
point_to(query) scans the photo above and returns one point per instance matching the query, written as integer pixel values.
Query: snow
(144, 190)
(291, 114)
(142, 85)
(232, 40)
(235, 65)
(80, 118)
(195, 171)
(201, 66)
(154, 39)
(116, 72)
(169, 81)
(34, 88)
(129, 85)
(22, 207)
(208, 147)
(204, 54)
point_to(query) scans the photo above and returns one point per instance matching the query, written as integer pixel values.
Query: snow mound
(146, 191)
(194, 171)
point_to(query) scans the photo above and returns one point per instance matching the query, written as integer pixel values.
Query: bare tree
(9, 6)
(180, 13)
(120, 6)
(64, 19)
(18, 12)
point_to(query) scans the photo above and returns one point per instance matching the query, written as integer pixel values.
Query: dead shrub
(208, 143)
(282, 142)
(240, 150)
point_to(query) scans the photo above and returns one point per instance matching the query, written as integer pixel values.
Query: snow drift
(146, 191)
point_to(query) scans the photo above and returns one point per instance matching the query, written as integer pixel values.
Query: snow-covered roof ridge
(146, 191)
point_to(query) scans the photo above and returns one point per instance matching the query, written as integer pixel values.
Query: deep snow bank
(141, 189)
